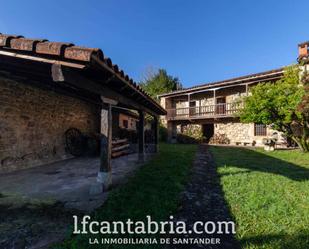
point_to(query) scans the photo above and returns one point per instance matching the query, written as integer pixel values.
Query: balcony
(204, 112)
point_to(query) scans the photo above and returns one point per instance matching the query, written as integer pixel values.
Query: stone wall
(237, 132)
(165, 103)
(33, 122)
(191, 130)
(130, 120)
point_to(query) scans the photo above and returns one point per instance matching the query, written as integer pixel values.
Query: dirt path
(203, 200)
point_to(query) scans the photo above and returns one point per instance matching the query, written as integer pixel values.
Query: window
(125, 124)
(259, 130)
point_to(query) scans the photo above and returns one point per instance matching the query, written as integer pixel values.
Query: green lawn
(154, 190)
(268, 194)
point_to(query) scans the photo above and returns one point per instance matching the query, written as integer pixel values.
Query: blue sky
(198, 41)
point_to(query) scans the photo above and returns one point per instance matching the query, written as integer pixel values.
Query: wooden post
(156, 132)
(106, 133)
(141, 135)
(215, 102)
(105, 172)
(189, 100)
(246, 89)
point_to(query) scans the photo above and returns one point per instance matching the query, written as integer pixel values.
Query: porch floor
(68, 181)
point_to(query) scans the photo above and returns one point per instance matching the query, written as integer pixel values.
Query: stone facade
(127, 122)
(33, 122)
(230, 129)
(243, 134)
(191, 130)
(233, 132)
(236, 132)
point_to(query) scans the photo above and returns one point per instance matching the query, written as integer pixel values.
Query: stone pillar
(156, 133)
(141, 135)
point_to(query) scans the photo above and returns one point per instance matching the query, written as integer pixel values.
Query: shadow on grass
(25, 225)
(52, 211)
(283, 241)
(253, 160)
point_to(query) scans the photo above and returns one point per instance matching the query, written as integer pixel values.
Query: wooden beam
(76, 78)
(109, 101)
(44, 60)
(36, 75)
(121, 147)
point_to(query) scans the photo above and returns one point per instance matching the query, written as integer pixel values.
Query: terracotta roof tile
(24, 44)
(109, 62)
(116, 69)
(52, 48)
(67, 52)
(5, 39)
(82, 54)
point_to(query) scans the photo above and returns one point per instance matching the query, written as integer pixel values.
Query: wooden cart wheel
(74, 141)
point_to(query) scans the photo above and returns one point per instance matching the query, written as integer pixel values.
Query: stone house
(129, 122)
(48, 87)
(210, 110)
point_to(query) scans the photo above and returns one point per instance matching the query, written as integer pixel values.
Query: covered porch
(82, 74)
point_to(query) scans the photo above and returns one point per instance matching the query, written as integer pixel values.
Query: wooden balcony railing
(208, 111)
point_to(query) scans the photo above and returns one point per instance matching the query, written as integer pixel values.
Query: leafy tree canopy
(281, 105)
(160, 82)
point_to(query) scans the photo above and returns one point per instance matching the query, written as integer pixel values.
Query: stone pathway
(203, 200)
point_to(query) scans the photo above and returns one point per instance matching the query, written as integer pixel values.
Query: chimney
(303, 51)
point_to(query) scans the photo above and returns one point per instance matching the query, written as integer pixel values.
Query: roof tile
(81, 53)
(24, 44)
(108, 62)
(52, 48)
(5, 39)
(67, 51)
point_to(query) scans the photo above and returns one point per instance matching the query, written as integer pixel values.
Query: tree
(159, 82)
(281, 105)
(304, 105)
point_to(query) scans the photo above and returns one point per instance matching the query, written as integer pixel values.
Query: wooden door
(192, 108)
(221, 105)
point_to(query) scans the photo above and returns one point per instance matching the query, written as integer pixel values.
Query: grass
(154, 190)
(268, 195)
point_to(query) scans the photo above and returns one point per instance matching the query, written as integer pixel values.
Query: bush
(219, 139)
(191, 134)
(162, 133)
(184, 139)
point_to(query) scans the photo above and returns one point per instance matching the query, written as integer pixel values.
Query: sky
(198, 41)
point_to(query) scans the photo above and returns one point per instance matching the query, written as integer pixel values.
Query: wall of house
(130, 121)
(165, 103)
(33, 122)
(191, 130)
(237, 132)
(232, 94)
